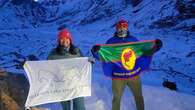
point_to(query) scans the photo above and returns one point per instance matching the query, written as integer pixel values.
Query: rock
(8, 103)
(186, 12)
(13, 91)
(170, 85)
(135, 2)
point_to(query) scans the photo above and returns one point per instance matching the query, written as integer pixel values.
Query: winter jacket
(54, 54)
(115, 39)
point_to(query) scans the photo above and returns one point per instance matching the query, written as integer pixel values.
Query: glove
(95, 48)
(158, 45)
(91, 59)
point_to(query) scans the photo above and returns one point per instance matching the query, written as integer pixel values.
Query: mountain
(177, 14)
(28, 30)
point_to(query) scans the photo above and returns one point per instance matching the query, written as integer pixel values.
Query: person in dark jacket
(118, 84)
(66, 49)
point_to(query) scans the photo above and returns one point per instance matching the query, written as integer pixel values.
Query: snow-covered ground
(156, 98)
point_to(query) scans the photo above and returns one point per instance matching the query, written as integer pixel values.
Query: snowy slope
(156, 98)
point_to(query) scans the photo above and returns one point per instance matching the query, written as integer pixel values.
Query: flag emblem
(128, 58)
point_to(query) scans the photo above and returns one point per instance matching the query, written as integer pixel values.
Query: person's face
(65, 42)
(122, 32)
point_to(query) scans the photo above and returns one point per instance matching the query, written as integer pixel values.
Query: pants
(78, 104)
(118, 87)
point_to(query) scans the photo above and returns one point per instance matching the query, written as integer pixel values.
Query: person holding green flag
(123, 59)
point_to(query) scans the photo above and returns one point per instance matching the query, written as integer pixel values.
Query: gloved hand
(95, 48)
(158, 45)
(91, 59)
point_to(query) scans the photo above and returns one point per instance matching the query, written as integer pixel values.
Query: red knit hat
(64, 34)
(122, 24)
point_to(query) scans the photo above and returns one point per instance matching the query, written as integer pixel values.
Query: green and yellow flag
(126, 60)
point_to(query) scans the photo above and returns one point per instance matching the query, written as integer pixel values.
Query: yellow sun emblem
(128, 58)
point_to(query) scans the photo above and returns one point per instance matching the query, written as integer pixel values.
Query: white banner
(58, 80)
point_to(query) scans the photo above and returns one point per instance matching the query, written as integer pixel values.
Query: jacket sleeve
(95, 55)
(79, 53)
(110, 41)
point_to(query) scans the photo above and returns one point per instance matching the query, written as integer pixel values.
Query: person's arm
(79, 52)
(157, 46)
(94, 51)
(90, 59)
(96, 48)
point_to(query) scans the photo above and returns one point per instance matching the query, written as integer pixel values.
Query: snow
(155, 98)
